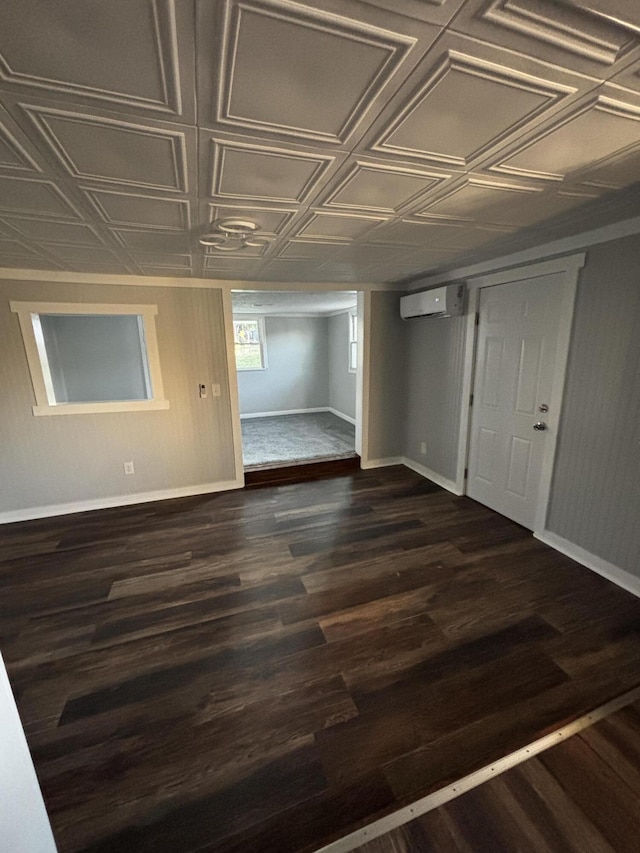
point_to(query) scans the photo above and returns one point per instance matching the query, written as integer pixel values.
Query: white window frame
(39, 369)
(262, 334)
(353, 341)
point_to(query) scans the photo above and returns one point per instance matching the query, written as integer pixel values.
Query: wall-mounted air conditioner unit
(445, 301)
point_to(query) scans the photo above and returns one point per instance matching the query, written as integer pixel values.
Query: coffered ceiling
(370, 139)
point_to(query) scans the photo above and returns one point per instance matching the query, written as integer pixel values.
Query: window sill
(101, 408)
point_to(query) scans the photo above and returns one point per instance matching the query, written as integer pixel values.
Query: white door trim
(232, 377)
(570, 266)
(363, 376)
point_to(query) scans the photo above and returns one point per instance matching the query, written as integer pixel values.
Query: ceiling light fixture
(234, 235)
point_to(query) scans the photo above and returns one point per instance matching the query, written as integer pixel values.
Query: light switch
(202, 390)
(215, 390)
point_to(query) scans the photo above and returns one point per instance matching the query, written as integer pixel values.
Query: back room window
(249, 342)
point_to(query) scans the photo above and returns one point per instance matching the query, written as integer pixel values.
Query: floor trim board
(31, 513)
(422, 470)
(473, 780)
(342, 415)
(429, 474)
(333, 411)
(612, 573)
(381, 463)
(286, 412)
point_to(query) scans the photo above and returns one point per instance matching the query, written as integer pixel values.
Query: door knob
(540, 426)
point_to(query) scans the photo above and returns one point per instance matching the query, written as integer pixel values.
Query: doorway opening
(296, 355)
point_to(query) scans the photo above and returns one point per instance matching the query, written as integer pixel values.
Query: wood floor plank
(314, 604)
(291, 780)
(171, 678)
(594, 787)
(462, 657)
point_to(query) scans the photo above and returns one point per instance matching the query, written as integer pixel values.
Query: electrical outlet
(215, 390)
(128, 468)
(202, 390)
(423, 448)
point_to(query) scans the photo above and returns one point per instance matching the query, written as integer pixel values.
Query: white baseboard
(428, 474)
(117, 500)
(381, 463)
(286, 412)
(612, 573)
(342, 415)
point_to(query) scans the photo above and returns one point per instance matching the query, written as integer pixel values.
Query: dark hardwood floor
(266, 670)
(582, 795)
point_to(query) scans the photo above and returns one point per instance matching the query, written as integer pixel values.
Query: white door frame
(570, 266)
(363, 375)
(232, 379)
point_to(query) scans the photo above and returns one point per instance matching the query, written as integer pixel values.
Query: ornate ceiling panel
(128, 55)
(120, 152)
(598, 129)
(68, 233)
(381, 188)
(36, 197)
(132, 208)
(343, 66)
(578, 35)
(324, 225)
(254, 171)
(369, 139)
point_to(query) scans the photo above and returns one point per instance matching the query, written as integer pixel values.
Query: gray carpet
(296, 438)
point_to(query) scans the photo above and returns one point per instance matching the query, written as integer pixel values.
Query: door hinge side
(471, 399)
(477, 318)
(466, 473)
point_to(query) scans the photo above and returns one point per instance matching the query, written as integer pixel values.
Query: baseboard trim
(118, 500)
(381, 463)
(428, 474)
(342, 415)
(285, 412)
(612, 573)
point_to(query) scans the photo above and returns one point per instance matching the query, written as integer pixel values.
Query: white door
(510, 415)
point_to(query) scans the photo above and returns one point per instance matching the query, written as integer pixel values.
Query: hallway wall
(297, 375)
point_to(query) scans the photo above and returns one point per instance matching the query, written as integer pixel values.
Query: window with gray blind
(96, 358)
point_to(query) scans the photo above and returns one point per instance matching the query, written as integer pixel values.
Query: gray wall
(297, 375)
(595, 496)
(435, 360)
(595, 499)
(388, 374)
(342, 382)
(64, 459)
